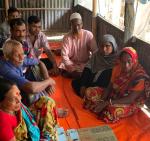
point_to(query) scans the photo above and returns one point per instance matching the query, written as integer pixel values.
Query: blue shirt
(11, 72)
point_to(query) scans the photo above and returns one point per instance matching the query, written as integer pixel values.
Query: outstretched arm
(35, 87)
(54, 70)
(43, 70)
(128, 99)
(107, 91)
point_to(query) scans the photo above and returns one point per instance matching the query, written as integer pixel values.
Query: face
(17, 56)
(35, 28)
(19, 32)
(13, 15)
(76, 26)
(107, 48)
(126, 62)
(11, 102)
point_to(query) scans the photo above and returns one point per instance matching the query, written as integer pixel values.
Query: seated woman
(98, 70)
(17, 122)
(125, 93)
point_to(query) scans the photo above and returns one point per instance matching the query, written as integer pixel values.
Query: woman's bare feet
(62, 113)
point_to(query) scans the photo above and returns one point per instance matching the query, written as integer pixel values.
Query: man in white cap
(78, 44)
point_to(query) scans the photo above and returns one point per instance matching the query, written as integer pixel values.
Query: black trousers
(87, 77)
(47, 63)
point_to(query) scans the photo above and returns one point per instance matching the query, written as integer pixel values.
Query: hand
(54, 71)
(51, 82)
(100, 106)
(82, 91)
(50, 90)
(70, 68)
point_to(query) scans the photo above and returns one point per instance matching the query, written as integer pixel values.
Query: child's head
(13, 13)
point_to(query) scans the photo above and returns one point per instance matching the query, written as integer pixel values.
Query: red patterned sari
(123, 84)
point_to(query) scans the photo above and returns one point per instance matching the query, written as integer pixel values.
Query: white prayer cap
(75, 16)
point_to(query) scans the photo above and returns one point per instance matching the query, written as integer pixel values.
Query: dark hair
(122, 53)
(17, 21)
(12, 10)
(5, 86)
(33, 19)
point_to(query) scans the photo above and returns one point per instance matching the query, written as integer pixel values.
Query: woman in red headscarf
(125, 93)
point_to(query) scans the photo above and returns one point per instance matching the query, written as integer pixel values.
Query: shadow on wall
(60, 22)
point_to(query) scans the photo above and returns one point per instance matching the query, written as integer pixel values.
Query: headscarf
(132, 52)
(100, 62)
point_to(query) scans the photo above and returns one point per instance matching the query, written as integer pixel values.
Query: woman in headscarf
(126, 92)
(99, 68)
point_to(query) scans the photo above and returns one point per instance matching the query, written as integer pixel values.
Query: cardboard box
(98, 133)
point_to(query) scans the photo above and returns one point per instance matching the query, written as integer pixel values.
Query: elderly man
(77, 45)
(38, 43)
(12, 69)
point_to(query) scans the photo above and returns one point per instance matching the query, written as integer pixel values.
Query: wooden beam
(94, 8)
(28, 9)
(6, 7)
(129, 19)
(94, 17)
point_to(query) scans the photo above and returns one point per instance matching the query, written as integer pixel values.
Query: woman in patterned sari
(125, 93)
(19, 123)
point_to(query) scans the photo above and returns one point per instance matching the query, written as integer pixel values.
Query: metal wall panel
(54, 14)
(2, 12)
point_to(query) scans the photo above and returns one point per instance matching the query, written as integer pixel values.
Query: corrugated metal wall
(53, 13)
(2, 13)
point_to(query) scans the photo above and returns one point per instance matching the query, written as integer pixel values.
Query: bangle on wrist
(110, 102)
(101, 100)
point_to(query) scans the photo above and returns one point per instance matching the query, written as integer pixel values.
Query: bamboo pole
(6, 7)
(94, 14)
(129, 20)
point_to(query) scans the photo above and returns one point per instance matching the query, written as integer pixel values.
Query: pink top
(76, 51)
(7, 124)
(40, 44)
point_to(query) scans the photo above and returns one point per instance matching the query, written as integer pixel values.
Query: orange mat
(134, 128)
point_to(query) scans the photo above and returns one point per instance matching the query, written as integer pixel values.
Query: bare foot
(62, 113)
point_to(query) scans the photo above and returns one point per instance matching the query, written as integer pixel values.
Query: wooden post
(6, 7)
(94, 17)
(129, 19)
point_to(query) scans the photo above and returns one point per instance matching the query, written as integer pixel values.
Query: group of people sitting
(23, 70)
(112, 84)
